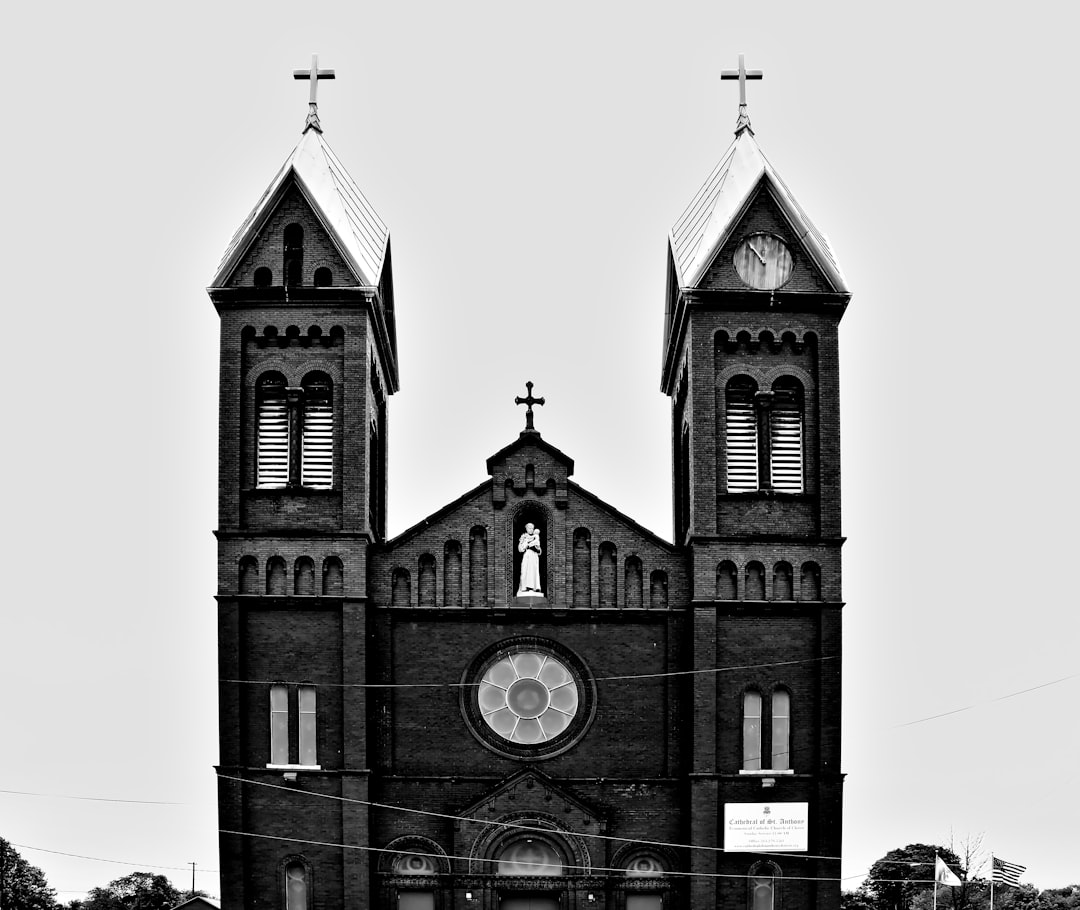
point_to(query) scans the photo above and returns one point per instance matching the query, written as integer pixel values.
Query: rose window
(528, 697)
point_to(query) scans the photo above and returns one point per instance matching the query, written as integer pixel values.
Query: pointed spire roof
(358, 232)
(716, 210)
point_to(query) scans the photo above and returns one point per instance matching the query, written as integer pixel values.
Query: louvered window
(272, 443)
(786, 437)
(742, 435)
(317, 450)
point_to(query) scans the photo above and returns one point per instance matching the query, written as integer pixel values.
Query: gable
(267, 249)
(764, 215)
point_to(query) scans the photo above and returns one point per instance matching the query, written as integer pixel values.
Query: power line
(100, 859)
(523, 827)
(473, 685)
(990, 701)
(95, 799)
(582, 869)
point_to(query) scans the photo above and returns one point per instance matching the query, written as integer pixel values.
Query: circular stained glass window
(528, 697)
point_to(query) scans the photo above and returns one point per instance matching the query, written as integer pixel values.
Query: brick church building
(528, 700)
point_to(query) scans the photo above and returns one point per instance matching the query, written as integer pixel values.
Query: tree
(900, 875)
(137, 891)
(22, 886)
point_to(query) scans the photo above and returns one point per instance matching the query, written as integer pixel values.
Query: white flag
(943, 875)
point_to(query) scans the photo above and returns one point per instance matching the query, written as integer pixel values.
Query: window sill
(767, 773)
(291, 491)
(272, 767)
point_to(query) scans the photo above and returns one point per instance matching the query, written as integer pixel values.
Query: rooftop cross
(742, 75)
(314, 74)
(528, 401)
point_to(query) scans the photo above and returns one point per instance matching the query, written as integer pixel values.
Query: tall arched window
(762, 887)
(452, 574)
(401, 588)
(294, 255)
(306, 705)
(478, 567)
(786, 436)
(317, 440)
(633, 583)
(781, 730)
(751, 734)
(607, 591)
(741, 434)
(426, 580)
(582, 568)
(296, 886)
(658, 593)
(272, 433)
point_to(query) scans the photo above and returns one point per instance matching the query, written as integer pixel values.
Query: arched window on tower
(272, 432)
(263, 277)
(275, 576)
(726, 581)
(782, 582)
(810, 583)
(304, 576)
(333, 577)
(741, 434)
(786, 436)
(755, 581)
(323, 277)
(249, 575)
(317, 436)
(293, 265)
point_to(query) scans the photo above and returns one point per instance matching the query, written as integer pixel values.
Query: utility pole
(192, 881)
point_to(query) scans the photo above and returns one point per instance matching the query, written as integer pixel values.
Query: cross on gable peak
(528, 401)
(314, 74)
(742, 74)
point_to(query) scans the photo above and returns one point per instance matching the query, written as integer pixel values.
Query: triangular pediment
(723, 203)
(355, 232)
(529, 792)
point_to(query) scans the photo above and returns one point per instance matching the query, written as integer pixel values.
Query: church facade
(528, 700)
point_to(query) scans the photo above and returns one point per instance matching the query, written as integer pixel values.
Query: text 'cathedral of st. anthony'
(528, 700)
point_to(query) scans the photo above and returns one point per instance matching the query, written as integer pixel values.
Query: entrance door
(529, 902)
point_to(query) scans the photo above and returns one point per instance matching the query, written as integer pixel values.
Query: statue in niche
(529, 548)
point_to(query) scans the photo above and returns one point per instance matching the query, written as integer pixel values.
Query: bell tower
(308, 360)
(754, 299)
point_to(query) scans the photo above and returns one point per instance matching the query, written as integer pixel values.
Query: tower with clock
(528, 700)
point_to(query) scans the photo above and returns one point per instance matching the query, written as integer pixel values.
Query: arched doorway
(532, 857)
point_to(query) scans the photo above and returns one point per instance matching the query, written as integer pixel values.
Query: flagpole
(991, 881)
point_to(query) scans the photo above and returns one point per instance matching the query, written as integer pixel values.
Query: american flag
(1006, 873)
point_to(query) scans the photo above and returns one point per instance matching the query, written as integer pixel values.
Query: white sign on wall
(766, 826)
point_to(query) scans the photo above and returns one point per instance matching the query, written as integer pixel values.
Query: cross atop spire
(742, 75)
(528, 401)
(314, 74)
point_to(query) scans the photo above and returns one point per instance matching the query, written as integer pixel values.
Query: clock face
(763, 262)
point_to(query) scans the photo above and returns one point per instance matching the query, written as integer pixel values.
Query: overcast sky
(530, 160)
